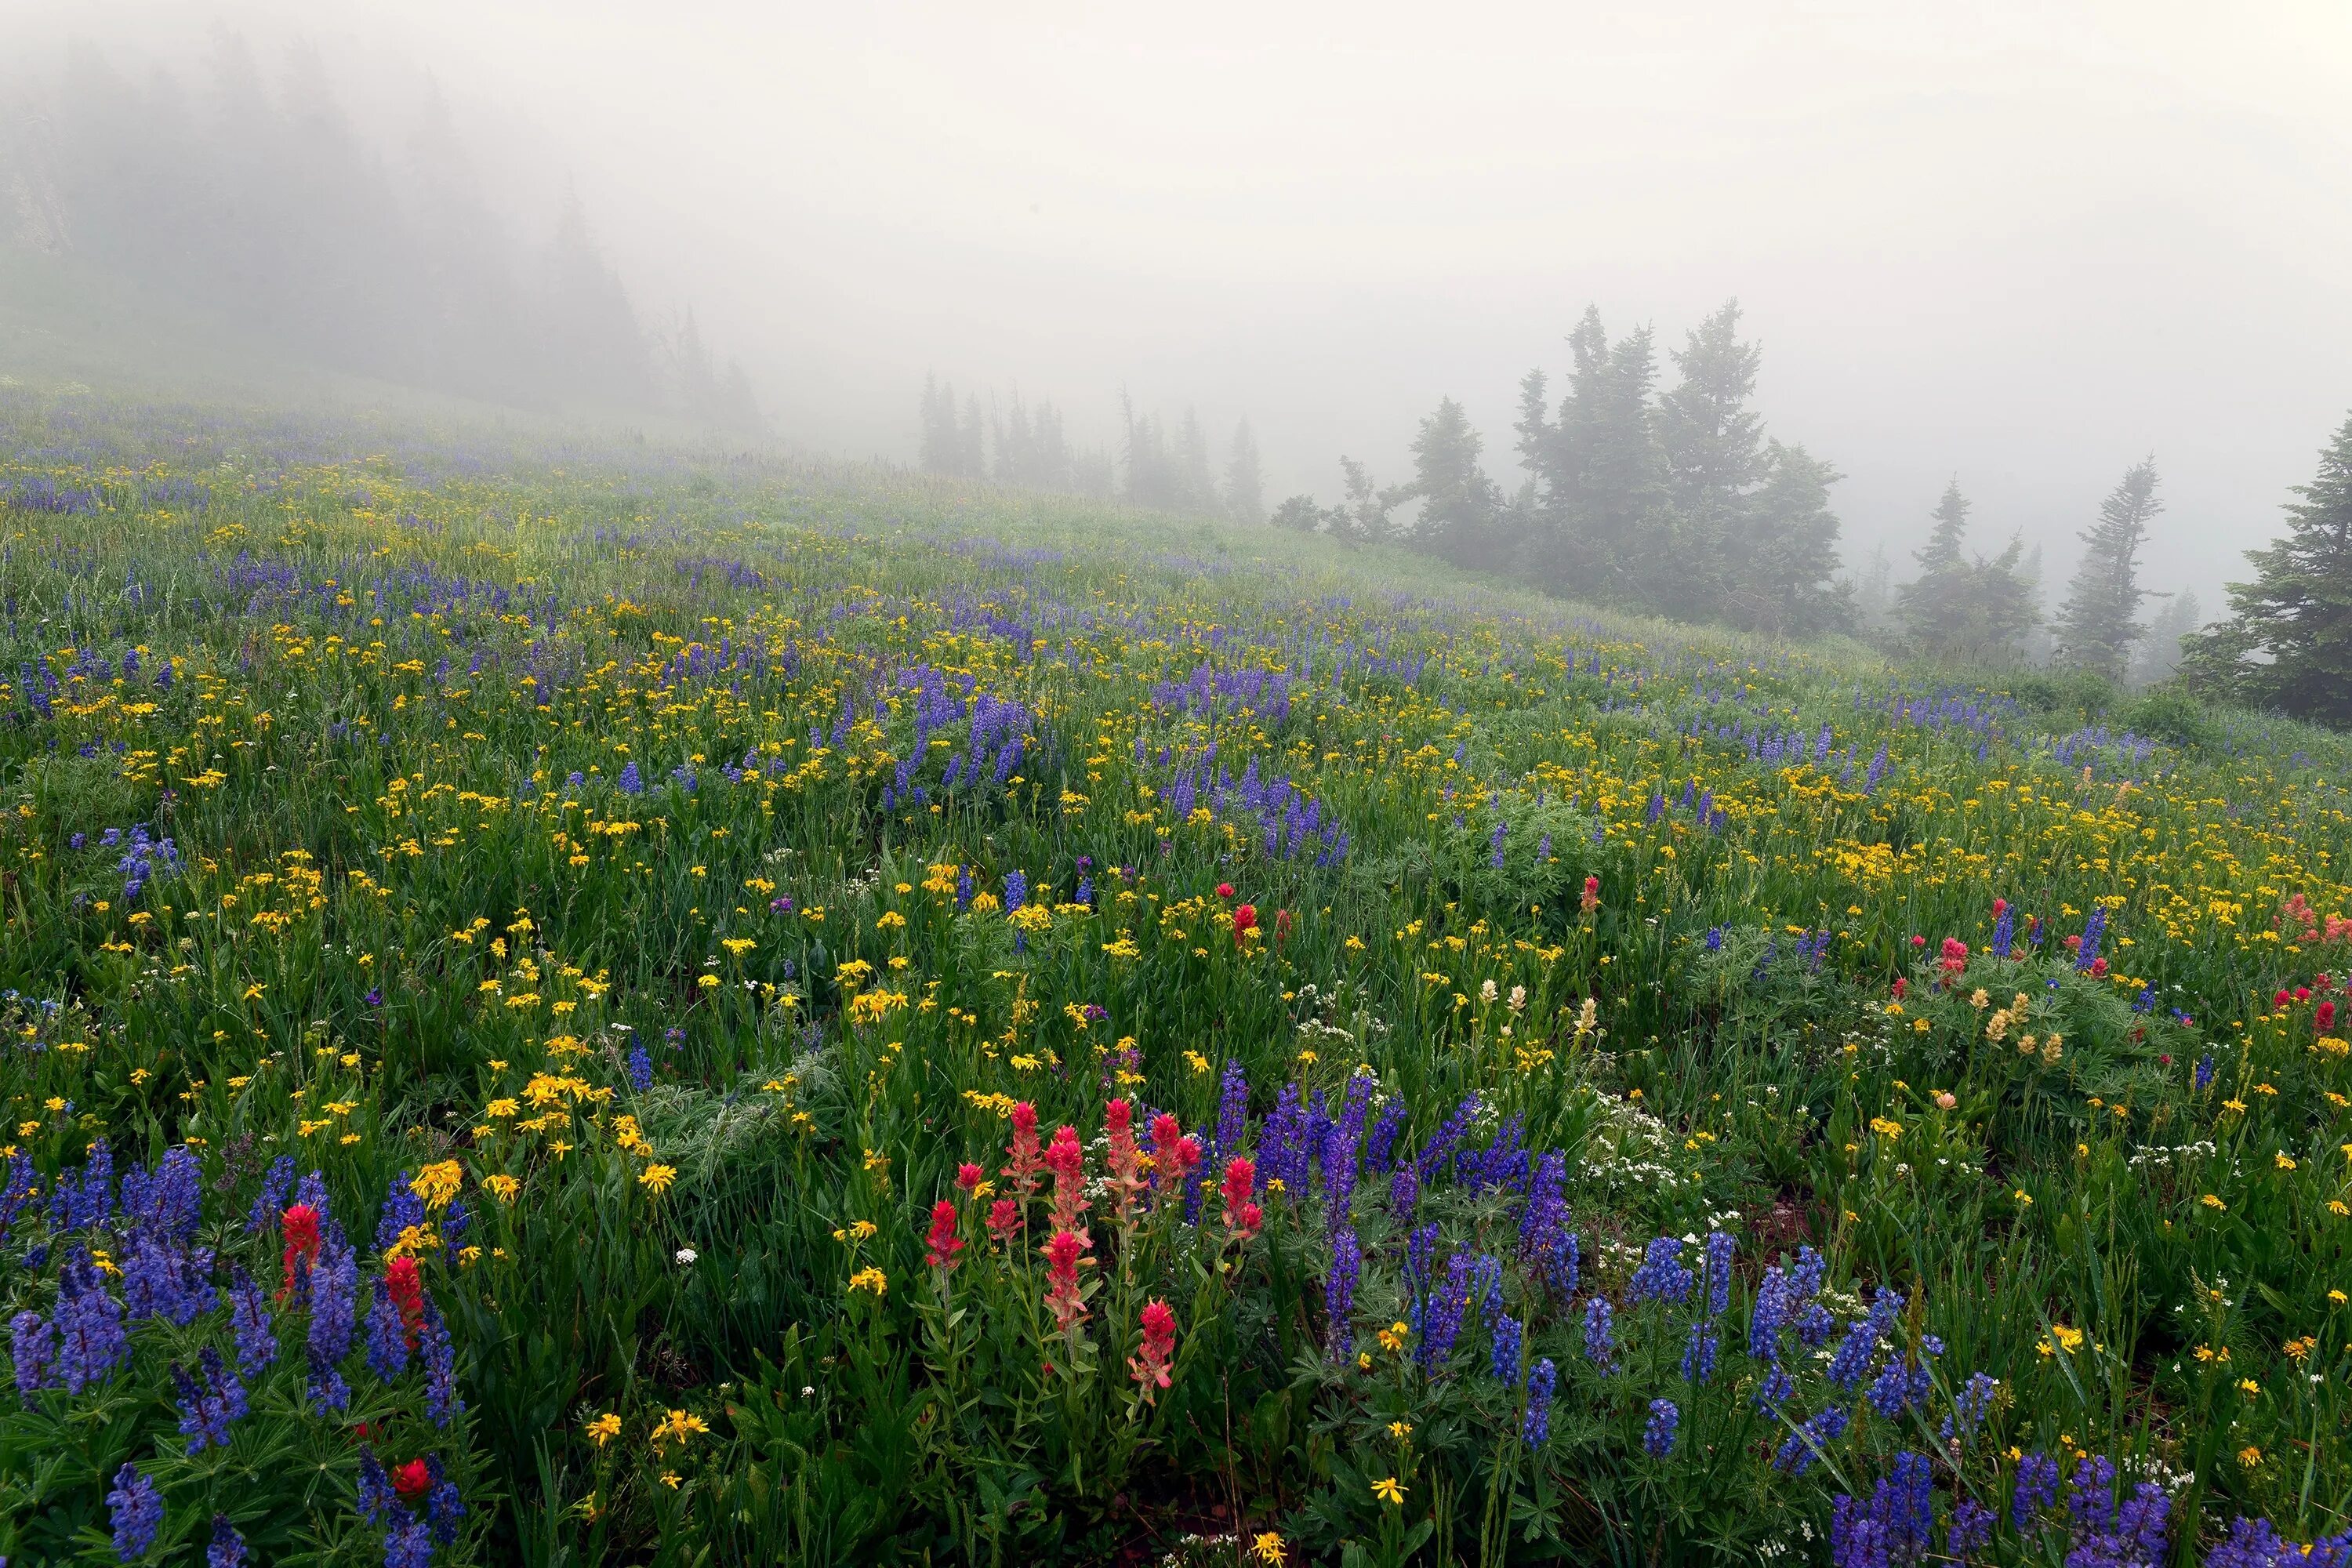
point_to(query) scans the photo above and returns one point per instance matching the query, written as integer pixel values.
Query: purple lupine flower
(631, 781)
(1016, 890)
(1801, 1448)
(1443, 1323)
(2141, 1531)
(248, 1315)
(163, 1279)
(17, 1193)
(2093, 930)
(1437, 1155)
(1599, 1333)
(443, 1509)
(1404, 1192)
(2205, 1072)
(1970, 1404)
(1699, 1351)
(1854, 1353)
(270, 1202)
(439, 1354)
(455, 1220)
(1379, 1152)
(166, 1202)
(1508, 1340)
(2037, 1487)
(136, 1509)
(387, 1336)
(2091, 1494)
(1536, 1428)
(1658, 1432)
(1971, 1529)
(407, 1544)
(209, 1407)
(1805, 1279)
(402, 1210)
(1543, 1223)
(1776, 1387)
(1662, 1275)
(1815, 1324)
(92, 1344)
(1769, 1315)
(1718, 1272)
(227, 1548)
(334, 1293)
(88, 1202)
(32, 1343)
(1890, 1391)
(2004, 930)
(377, 1501)
(1339, 1291)
(641, 1067)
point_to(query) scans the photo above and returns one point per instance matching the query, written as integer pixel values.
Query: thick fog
(2025, 244)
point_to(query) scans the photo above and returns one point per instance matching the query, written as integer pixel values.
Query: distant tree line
(1020, 443)
(261, 205)
(1678, 503)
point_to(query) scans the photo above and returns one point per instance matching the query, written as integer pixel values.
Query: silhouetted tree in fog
(2287, 643)
(2097, 627)
(1459, 504)
(261, 207)
(1245, 494)
(1964, 609)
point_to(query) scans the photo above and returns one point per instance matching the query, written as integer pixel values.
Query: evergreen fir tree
(2158, 653)
(2287, 643)
(1458, 502)
(2099, 624)
(1779, 561)
(1196, 487)
(940, 442)
(1932, 610)
(1713, 445)
(1244, 493)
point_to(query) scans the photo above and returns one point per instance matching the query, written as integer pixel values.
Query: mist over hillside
(242, 190)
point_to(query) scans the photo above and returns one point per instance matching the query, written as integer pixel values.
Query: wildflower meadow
(587, 1002)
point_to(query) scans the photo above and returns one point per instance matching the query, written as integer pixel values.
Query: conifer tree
(2287, 642)
(2097, 626)
(1713, 445)
(1932, 608)
(1244, 490)
(1458, 502)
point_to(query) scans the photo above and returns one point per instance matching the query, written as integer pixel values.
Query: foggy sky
(2020, 243)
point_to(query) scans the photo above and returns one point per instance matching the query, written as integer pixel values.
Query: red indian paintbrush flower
(942, 1244)
(300, 1224)
(405, 1286)
(1240, 1181)
(1591, 900)
(1004, 1219)
(1173, 1155)
(412, 1481)
(1022, 1172)
(2325, 1016)
(1067, 1161)
(1125, 1159)
(968, 1176)
(1151, 1365)
(1244, 919)
(1062, 1293)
